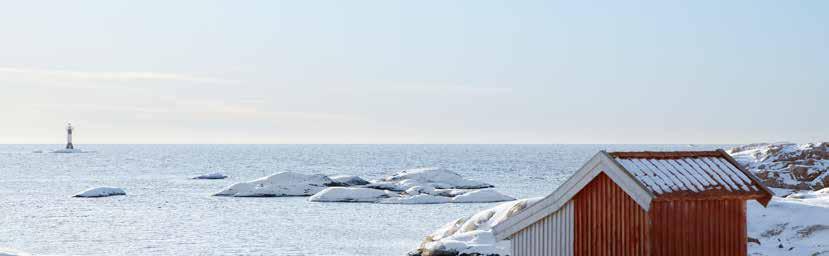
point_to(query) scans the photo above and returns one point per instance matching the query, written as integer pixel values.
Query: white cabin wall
(550, 236)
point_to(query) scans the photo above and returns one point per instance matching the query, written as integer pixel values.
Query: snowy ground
(795, 225)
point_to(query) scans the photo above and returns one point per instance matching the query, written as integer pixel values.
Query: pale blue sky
(414, 71)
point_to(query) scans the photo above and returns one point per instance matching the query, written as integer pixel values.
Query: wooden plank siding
(550, 236)
(608, 221)
(699, 227)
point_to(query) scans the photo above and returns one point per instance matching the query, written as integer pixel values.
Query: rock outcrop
(415, 186)
(787, 165)
(280, 184)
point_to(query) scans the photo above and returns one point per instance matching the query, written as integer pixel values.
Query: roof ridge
(664, 154)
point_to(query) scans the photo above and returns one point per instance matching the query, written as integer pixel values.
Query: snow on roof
(689, 173)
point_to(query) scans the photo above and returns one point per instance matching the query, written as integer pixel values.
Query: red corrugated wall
(609, 222)
(699, 227)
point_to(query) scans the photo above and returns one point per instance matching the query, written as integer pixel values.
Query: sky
(537, 72)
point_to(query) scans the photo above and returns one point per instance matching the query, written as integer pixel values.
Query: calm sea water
(166, 213)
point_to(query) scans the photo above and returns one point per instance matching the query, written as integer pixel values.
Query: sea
(165, 212)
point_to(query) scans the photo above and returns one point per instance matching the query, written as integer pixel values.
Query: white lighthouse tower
(69, 136)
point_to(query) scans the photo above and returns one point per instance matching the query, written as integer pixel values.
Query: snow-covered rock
(795, 225)
(211, 176)
(473, 235)
(417, 199)
(101, 192)
(349, 180)
(12, 252)
(787, 165)
(347, 194)
(279, 184)
(415, 186)
(37, 151)
(66, 150)
(481, 196)
(438, 178)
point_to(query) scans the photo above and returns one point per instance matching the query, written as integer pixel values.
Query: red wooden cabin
(642, 203)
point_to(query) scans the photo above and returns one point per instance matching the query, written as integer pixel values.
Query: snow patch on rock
(346, 194)
(471, 235)
(12, 252)
(101, 192)
(438, 178)
(211, 176)
(349, 180)
(279, 184)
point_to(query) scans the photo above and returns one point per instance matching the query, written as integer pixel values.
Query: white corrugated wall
(550, 236)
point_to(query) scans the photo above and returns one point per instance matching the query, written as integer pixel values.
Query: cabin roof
(649, 176)
(689, 174)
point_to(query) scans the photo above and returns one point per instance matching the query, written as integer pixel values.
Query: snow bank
(346, 194)
(349, 180)
(211, 176)
(12, 252)
(473, 234)
(279, 184)
(787, 165)
(795, 225)
(37, 151)
(101, 192)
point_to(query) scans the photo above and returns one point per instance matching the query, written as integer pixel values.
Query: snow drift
(279, 184)
(473, 235)
(101, 192)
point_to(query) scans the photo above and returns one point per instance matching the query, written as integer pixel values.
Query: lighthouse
(69, 136)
